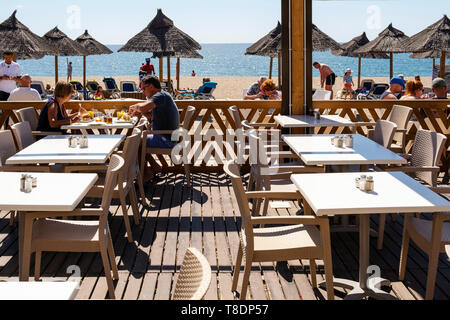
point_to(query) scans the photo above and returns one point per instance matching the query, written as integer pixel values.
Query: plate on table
(124, 121)
(85, 121)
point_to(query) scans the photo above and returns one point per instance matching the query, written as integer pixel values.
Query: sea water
(227, 60)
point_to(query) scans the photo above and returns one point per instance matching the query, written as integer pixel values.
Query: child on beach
(348, 84)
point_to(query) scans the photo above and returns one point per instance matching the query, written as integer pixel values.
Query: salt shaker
(73, 142)
(340, 143)
(34, 182)
(370, 184)
(362, 182)
(23, 178)
(28, 184)
(70, 141)
(84, 142)
(317, 115)
(357, 182)
(348, 141)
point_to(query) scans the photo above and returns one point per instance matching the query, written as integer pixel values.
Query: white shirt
(24, 94)
(9, 70)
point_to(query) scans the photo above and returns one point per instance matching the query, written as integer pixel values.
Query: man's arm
(142, 108)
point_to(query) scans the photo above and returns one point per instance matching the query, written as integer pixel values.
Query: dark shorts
(4, 96)
(331, 80)
(158, 141)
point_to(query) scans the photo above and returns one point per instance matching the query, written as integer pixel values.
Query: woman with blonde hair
(414, 90)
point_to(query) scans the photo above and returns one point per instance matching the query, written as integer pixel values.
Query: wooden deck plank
(148, 286)
(163, 288)
(133, 286)
(211, 293)
(209, 239)
(273, 285)
(225, 292)
(257, 287)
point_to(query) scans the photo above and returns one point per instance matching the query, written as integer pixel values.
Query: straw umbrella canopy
(17, 38)
(323, 42)
(434, 38)
(163, 39)
(268, 46)
(348, 50)
(388, 41)
(93, 47)
(432, 54)
(64, 46)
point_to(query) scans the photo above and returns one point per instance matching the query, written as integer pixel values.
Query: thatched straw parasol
(348, 50)
(434, 38)
(64, 46)
(163, 38)
(269, 46)
(93, 47)
(388, 41)
(428, 55)
(322, 42)
(17, 38)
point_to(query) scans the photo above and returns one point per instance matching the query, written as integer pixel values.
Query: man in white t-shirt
(25, 93)
(9, 76)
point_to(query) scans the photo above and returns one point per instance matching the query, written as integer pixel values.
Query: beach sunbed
(321, 94)
(128, 86)
(111, 88)
(205, 92)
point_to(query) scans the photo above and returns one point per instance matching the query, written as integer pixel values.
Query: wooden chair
(433, 237)
(237, 118)
(194, 277)
(400, 115)
(161, 152)
(423, 165)
(44, 233)
(23, 135)
(294, 238)
(384, 133)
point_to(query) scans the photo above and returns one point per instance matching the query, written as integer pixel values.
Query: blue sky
(232, 21)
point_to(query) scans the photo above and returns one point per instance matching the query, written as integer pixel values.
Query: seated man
(25, 93)
(254, 92)
(162, 111)
(397, 85)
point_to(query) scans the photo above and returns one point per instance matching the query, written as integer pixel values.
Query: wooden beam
(178, 73)
(56, 70)
(297, 57)
(359, 71)
(279, 69)
(84, 72)
(391, 65)
(271, 68)
(286, 45)
(308, 54)
(168, 75)
(161, 63)
(442, 68)
(14, 57)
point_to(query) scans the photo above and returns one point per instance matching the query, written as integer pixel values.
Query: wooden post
(279, 69)
(169, 88)
(84, 72)
(178, 73)
(56, 70)
(298, 57)
(443, 58)
(271, 68)
(391, 63)
(434, 63)
(161, 69)
(286, 45)
(14, 57)
(359, 71)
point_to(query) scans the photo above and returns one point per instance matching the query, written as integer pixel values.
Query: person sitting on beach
(99, 95)
(193, 73)
(414, 91)
(255, 89)
(395, 91)
(48, 89)
(327, 77)
(269, 91)
(25, 93)
(54, 115)
(348, 84)
(417, 78)
(439, 87)
(162, 111)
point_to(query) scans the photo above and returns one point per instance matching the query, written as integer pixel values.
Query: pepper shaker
(28, 184)
(348, 141)
(23, 178)
(370, 184)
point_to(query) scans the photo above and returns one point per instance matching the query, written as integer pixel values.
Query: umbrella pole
(359, 72)
(84, 72)
(434, 63)
(271, 67)
(443, 58)
(56, 70)
(178, 73)
(161, 69)
(168, 74)
(391, 63)
(279, 70)
(14, 57)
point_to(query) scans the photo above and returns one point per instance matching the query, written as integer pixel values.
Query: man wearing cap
(439, 87)
(9, 76)
(397, 85)
(148, 68)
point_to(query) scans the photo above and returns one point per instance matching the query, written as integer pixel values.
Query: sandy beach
(228, 87)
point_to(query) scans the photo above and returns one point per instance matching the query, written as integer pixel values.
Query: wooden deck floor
(206, 217)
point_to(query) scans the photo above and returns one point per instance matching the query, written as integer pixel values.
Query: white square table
(85, 127)
(55, 149)
(303, 121)
(336, 194)
(318, 150)
(55, 192)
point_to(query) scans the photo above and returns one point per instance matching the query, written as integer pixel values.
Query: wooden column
(168, 75)
(298, 57)
(178, 73)
(286, 45)
(56, 70)
(434, 63)
(161, 69)
(391, 65)
(442, 71)
(279, 69)
(14, 57)
(84, 72)
(271, 68)
(359, 71)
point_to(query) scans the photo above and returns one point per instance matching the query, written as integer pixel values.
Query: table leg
(21, 220)
(364, 248)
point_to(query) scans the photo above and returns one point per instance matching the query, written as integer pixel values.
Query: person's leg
(155, 142)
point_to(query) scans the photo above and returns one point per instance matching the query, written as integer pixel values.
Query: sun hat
(348, 70)
(398, 80)
(439, 83)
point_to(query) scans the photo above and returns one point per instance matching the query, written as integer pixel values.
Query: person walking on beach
(9, 76)
(193, 73)
(69, 71)
(148, 68)
(254, 92)
(327, 77)
(348, 84)
(395, 91)
(24, 93)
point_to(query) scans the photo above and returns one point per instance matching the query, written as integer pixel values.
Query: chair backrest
(92, 85)
(234, 112)
(38, 87)
(367, 84)
(207, 88)
(127, 86)
(384, 133)
(29, 115)
(400, 115)
(7, 146)
(322, 95)
(22, 134)
(380, 88)
(194, 278)
(427, 152)
(188, 117)
(130, 154)
(110, 84)
(77, 85)
(116, 163)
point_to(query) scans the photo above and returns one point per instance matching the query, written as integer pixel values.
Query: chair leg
(107, 270)
(134, 205)
(187, 171)
(237, 269)
(432, 271)
(112, 258)
(251, 181)
(37, 265)
(12, 216)
(312, 268)
(381, 226)
(140, 181)
(404, 250)
(125, 217)
(247, 269)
